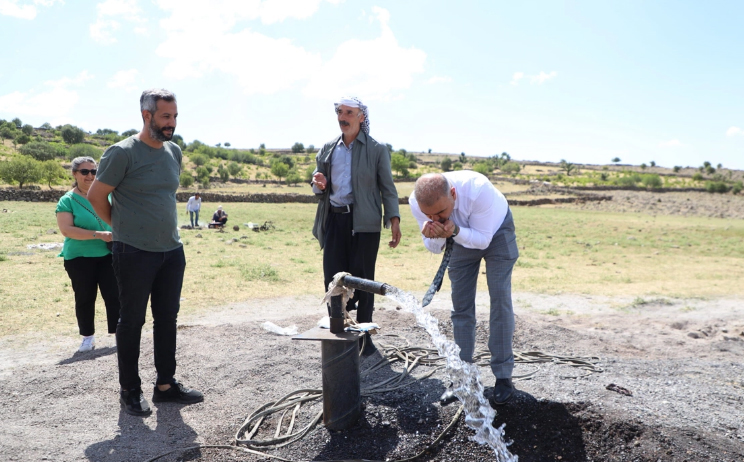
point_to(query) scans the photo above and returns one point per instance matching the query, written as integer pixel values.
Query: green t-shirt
(143, 203)
(82, 218)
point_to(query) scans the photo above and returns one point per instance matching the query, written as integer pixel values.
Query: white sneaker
(88, 344)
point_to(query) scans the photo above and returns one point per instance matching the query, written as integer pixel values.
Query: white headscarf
(353, 101)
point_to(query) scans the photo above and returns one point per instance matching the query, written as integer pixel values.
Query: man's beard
(159, 133)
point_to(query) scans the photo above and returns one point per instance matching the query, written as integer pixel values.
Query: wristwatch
(94, 234)
(456, 231)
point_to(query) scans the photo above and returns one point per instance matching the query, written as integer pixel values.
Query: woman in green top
(87, 256)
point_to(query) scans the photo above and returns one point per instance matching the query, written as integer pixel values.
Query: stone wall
(29, 195)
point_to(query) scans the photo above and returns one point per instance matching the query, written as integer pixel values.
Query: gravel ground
(680, 359)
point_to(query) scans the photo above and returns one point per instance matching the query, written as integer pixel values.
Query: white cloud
(265, 65)
(733, 131)
(439, 79)
(124, 79)
(516, 78)
(542, 77)
(57, 101)
(391, 67)
(110, 13)
(23, 11)
(675, 143)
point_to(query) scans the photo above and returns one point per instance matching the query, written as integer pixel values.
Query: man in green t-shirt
(142, 175)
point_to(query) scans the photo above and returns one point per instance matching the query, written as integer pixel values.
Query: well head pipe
(353, 282)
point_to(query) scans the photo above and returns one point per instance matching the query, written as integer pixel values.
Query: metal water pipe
(339, 350)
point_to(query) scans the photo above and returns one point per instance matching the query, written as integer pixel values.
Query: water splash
(466, 380)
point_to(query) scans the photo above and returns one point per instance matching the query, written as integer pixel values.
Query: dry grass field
(562, 251)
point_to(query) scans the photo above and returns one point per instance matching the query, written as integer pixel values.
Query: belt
(345, 209)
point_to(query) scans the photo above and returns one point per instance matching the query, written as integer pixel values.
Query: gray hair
(149, 99)
(77, 162)
(430, 188)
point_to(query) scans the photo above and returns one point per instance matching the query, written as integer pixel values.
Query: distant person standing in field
(354, 181)
(193, 206)
(465, 207)
(142, 175)
(86, 253)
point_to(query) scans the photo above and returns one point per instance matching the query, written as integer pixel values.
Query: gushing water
(466, 382)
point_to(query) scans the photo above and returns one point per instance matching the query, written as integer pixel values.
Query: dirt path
(681, 359)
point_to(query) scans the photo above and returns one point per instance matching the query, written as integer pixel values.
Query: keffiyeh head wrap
(353, 101)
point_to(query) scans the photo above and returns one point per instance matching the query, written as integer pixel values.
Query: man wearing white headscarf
(354, 183)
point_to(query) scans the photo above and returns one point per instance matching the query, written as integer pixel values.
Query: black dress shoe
(177, 393)
(369, 347)
(502, 392)
(134, 402)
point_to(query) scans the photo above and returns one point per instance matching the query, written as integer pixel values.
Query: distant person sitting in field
(219, 218)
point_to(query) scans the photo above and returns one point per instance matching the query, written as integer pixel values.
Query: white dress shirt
(479, 211)
(194, 204)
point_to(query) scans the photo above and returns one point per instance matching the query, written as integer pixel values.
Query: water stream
(466, 380)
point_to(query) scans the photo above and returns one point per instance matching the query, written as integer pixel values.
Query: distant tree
(218, 144)
(697, 176)
(709, 169)
(429, 150)
(39, 150)
(22, 139)
(484, 168)
(21, 170)
(310, 149)
(106, 131)
(706, 164)
(72, 134)
(279, 170)
(446, 164)
(293, 177)
(457, 166)
(202, 174)
(198, 159)
(234, 168)
(131, 132)
(568, 167)
(463, 159)
(677, 168)
(28, 129)
(186, 179)
(511, 168)
(652, 163)
(720, 166)
(52, 172)
(223, 173)
(227, 145)
(8, 133)
(643, 166)
(309, 173)
(298, 148)
(17, 122)
(652, 181)
(399, 163)
(615, 159)
(84, 150)
(46, 126)
(262, 146)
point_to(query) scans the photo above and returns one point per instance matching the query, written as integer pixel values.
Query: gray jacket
(371, 182)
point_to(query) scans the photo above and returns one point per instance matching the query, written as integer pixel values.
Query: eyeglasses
(85, 171)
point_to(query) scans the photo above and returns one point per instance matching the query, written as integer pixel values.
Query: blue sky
(584, 81)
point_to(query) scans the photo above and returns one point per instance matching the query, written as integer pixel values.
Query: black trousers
(353, 253)
(88, 275)
(157, 276)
